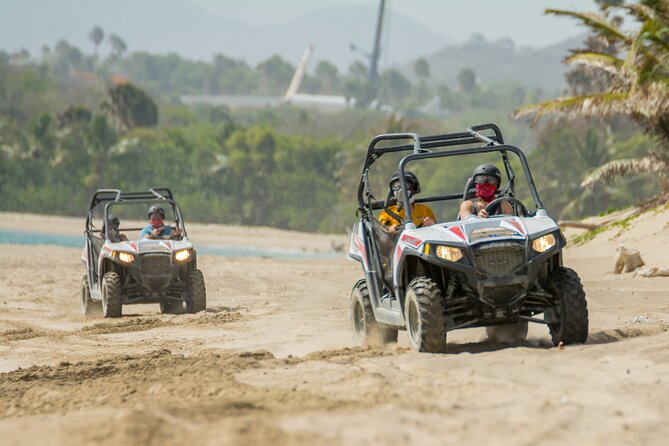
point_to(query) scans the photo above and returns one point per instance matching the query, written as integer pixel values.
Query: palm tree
(118, 45)
(637, 86)
(96, 35)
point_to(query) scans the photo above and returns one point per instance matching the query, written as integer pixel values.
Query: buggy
(122, 271)
(499, 272)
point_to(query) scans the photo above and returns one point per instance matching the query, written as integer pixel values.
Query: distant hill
(161, 26)
(501, 61)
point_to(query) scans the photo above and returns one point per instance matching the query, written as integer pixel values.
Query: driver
(421, 214)
(487, 179)
(157, 229)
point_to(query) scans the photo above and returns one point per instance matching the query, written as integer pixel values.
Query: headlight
(125, 257)
(182, 255)
(449, 253)
(544, 243)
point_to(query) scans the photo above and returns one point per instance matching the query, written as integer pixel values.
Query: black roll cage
(421, 150)
(114, 196)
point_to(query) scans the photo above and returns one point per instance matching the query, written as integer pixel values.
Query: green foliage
(421, 68)
(283, 166)
(132, 107)
(467, 80)
(622, 225)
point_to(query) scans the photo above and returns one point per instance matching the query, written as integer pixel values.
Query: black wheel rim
(414, 323)
(358, 319)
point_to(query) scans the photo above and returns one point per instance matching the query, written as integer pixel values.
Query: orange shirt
(418, 213)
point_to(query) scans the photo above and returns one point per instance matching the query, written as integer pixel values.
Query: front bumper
(154, 277)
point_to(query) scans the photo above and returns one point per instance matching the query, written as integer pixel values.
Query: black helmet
(488, 169)
(156, 209)
(409, 177)
(113, 221)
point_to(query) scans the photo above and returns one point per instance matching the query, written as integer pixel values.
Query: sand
(272, 360)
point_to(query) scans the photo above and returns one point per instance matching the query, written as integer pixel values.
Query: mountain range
(162, 26)
(179, 26)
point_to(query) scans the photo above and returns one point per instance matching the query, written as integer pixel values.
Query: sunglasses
(482, 179)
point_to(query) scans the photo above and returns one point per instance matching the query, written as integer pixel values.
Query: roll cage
(157, 195)
(421, 148)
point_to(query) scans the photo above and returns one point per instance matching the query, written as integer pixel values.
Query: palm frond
(595, 21)
(622, 168)
(600, 104)
(640, 12)
(597, 60)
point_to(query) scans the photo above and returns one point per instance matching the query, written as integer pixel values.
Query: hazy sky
(254, 30)
(522, 20)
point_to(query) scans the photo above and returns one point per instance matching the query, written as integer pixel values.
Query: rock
(627, 260)
(653, 271)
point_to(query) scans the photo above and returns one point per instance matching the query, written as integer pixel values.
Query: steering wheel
(512, 200)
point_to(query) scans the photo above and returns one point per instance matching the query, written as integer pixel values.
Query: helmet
(113, 221)
(487, 169)
(156, 209)
(409, 177)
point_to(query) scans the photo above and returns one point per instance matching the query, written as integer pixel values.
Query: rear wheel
(425, 316)
(112, 303)
(198, 295)
(366, 331)
(508, 333)
(571, 309)
(88, 306)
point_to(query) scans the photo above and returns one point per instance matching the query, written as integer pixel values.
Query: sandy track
(272, 362)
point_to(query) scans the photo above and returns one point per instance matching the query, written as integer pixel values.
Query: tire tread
(568, 289)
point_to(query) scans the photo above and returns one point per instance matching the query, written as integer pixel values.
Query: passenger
(421, 214)
(157, 229)
(114, 235)
(487, 179)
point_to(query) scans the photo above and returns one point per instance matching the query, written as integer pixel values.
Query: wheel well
(414, 266)
(107, 266)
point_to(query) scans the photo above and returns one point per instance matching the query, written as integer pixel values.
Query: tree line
(297, 169)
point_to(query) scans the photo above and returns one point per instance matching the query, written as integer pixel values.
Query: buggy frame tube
(173, 203)
(421, 145)
(489, 149)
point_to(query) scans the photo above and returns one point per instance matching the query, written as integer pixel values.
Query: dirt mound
(21, 333)
(633, 330)
(134, 324)
(119, 381)
(124, 325)
(208, 318)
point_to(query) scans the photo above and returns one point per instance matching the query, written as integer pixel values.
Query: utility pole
(376, 52)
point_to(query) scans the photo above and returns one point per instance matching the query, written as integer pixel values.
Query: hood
(151, 246)
(476, 230)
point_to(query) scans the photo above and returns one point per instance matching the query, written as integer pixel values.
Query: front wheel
(425, 316)
(198, 294)
(571, 309)
(112, 303)
(366, 331)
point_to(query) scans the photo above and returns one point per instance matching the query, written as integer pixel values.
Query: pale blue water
(76, 241)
